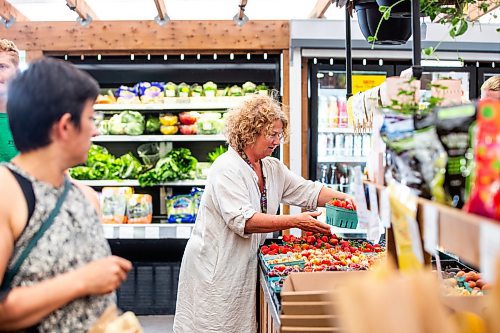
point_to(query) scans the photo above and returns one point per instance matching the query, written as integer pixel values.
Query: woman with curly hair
(218, 276)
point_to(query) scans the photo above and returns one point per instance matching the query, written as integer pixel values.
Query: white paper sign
(416, 241)
(183, 231)
(108, 231)
(489, 246)
(152, 232)
(431, 229)
(373, 233)
(385, 208)
(359, 195)
(126, 232)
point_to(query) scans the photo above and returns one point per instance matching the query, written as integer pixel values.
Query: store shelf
(131, 182)
(340, 159)
(158, 138)
(346, 130)
(178, 103)
(148, 231)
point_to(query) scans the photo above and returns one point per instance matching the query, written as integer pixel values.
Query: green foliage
(452, 14)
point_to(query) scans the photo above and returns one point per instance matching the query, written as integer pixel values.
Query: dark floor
(157, 324)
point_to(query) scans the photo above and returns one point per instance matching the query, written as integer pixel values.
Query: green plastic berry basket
(340, 217)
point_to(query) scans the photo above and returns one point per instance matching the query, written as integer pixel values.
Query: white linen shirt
(218, 275)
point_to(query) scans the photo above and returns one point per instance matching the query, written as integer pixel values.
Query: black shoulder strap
(28, 192)
(11, 273)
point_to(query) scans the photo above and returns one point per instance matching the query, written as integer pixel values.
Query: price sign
(385, 208)
(431, 229)
(183, 231)
(489, 246)
(108, 231)
(126, 232)
(152, 232)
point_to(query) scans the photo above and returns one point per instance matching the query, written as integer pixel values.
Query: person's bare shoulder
(13, 206)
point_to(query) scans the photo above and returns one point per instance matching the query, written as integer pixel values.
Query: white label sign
(108, 231)
(183, 231)
(385, 208)
(489, 246)
(359, 195)
(431, 229)
(416, 241)
(126, 232)
(152, 232)
(373, 233)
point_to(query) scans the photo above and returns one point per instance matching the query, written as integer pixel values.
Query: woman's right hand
(307, 222)
(102, 276)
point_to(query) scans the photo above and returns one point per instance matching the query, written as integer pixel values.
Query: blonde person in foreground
(67, 279)
(218, 276)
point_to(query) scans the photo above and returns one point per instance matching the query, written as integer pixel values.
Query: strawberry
(286, 238)
(324, 239)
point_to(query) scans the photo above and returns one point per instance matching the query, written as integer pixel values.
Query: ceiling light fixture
(149, 56)
(198, 56)
(240, 18)
(248, 56)
(165, 57)
(84, 12)
(182, 56)
(231, 56)
(66, 57)
(7, 22)
(132, 57)
(215, 56)
(265, 56)
(331, 61)
(82, 57)
(99, 57)
(162, 18)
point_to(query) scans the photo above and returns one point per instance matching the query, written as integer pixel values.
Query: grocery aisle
(154, 324)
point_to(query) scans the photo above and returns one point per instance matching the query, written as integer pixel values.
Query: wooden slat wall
(147, 35)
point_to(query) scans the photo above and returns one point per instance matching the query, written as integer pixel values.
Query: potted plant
(396, 31)
(448, 12)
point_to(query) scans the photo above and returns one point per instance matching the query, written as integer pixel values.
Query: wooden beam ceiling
(7, 11)
(320, 8)
(127, 36)
(160, 7)
(82, 8)
(474, 12)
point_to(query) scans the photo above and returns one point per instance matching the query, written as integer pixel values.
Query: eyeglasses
(272, 137)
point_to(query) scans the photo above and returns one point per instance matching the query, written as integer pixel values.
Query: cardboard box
(309, 320)
(308, 301)
(474, 304)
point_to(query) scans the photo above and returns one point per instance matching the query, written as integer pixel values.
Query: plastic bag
(140, 208)
(114, 204)
(180, 209)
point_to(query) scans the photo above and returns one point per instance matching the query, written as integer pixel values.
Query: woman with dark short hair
(218, 276)
(56, 269)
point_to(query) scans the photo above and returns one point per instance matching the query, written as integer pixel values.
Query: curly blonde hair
(256, 115)
(493, 83)
(11, 48)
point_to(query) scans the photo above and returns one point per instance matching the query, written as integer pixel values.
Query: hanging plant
(447, 12)
(396, 31)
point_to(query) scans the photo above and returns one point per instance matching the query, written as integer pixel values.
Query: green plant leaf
(428, 51)
(462, 27)
(371, 39)
(382, 8)
(387, 15)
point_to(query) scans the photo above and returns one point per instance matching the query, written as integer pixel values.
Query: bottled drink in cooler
(339, 145)
(330, 144)
(333, 179)
(324, 174)
(348, 145)
(343, 118)
(333, 112)
(322, 144)
(323, 112)
(367, 144)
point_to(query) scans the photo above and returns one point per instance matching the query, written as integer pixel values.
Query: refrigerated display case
(335, 145)
(156, 249)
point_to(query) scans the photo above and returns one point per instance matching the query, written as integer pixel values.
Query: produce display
(464, 284)
(159, 92)
(186, 123)
(177, 164)
(315, 253)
